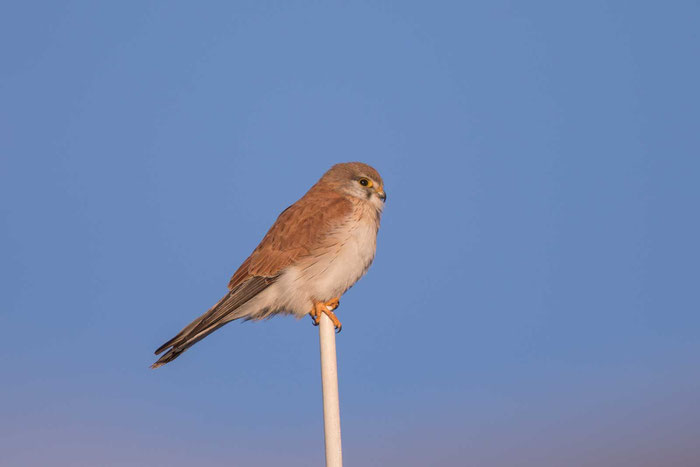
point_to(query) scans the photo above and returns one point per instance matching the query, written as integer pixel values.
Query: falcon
(313, 253)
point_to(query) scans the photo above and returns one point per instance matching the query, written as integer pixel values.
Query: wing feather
(214, 318)
(297, 232)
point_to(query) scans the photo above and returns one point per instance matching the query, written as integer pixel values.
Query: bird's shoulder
(297, 232)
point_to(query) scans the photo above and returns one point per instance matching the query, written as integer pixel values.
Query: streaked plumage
(314, 252)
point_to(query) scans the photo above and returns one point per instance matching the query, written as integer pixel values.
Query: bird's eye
(365, 182)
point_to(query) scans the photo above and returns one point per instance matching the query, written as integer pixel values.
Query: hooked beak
(382, 195)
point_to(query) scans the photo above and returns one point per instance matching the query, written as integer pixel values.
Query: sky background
(534, 299)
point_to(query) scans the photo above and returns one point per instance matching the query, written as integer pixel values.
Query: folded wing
(297, 232)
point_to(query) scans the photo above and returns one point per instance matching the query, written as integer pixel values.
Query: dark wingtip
(168, 357)
(163, 347)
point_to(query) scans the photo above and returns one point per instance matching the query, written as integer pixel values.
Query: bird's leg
(327, 308)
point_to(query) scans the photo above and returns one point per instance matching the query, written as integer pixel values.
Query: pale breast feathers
(343, 257)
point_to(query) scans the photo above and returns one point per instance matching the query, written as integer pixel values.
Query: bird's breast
(345, 259)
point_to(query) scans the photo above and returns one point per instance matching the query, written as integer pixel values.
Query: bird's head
(358, 180)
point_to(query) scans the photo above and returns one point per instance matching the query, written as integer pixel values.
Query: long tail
(218, 315)
(190, 335)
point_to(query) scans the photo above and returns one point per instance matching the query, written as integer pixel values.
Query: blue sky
(534, 297)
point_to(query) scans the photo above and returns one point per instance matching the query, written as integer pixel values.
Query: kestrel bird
(313, 253)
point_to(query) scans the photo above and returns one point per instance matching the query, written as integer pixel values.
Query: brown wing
(296, 232)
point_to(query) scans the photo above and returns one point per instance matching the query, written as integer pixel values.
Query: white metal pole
(331, 405)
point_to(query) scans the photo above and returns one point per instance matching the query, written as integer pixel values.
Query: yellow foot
(327, 308)
(333, 303)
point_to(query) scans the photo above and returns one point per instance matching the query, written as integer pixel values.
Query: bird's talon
(333, 304)
(327, 308)
(314, 319)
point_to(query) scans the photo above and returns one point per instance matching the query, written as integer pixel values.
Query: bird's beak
(382, 195)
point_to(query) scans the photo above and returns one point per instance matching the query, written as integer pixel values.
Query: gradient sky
(534, 299)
